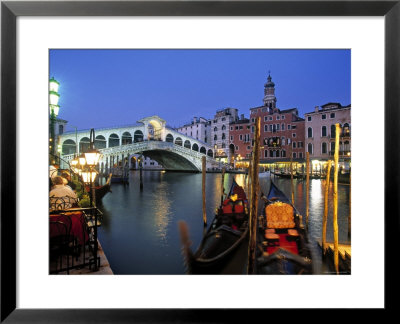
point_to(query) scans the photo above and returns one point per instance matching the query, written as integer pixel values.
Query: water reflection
(162, 210)
(140, 233)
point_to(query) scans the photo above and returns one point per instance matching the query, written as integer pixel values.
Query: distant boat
(120, 175)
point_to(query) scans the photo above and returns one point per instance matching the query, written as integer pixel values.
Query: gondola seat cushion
(273, 239)
(280, 215)
(227, 207)
(293, 232)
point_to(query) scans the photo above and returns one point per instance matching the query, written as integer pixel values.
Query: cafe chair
(62, 203)
(61, 244)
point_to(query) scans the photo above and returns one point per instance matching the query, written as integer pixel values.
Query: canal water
(139, 232)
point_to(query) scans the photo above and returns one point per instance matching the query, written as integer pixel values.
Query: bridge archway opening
(195, 147)
(171, 160)
(84, 144)
(138, 136)
(203, 150)
(210, 153)
(154, 129)
(187, 144)
(126, 138)
(133, 162)
(169, 138)
(178, 141)
(100, 142)
(68, 147)
(113, 140)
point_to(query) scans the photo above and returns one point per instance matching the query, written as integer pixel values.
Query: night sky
(108, 88)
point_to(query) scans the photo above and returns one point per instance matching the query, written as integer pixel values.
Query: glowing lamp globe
(82, 160)
(54, 85)
(54, 98)
(88, 176)
(92, 157)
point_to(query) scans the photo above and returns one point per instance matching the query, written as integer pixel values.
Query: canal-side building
(320, 132)
(199, 128)
(220, 133)
(240, 139)
(281, 134)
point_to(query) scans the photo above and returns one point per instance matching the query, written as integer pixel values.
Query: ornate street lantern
(92, 156)
(88, 175)
(54, 108)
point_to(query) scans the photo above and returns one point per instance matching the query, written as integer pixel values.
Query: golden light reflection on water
(162, 213)
(240, 179)
(316, 192)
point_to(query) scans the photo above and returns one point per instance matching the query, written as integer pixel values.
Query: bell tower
(269, 93)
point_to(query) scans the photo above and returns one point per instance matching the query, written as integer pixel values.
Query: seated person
(67, 176)
(62, 196)
(52, 174)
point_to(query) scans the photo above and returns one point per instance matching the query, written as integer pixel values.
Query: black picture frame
(10, 10)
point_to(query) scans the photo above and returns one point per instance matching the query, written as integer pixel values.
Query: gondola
(284, 175)
(101, 191)
(120, 175)
(226, 233)
(281, 238)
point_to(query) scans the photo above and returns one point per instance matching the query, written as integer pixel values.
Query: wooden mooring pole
(254, 200)
(291, 176)
(249, 179)
(325, 218)
(349, 226)
(222, 185)
(141, 172)
(335, 201)
(307, 186)
(204, 189)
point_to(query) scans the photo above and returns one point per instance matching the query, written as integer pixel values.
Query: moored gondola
(282, 238)
(101, 191)
(226, 233)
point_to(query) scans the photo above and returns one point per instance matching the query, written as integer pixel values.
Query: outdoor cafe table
(82, 221)
(77, 224)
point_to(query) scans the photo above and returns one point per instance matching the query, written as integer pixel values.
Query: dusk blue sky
(107, 88)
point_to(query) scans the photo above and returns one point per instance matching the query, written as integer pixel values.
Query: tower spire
(269, 93)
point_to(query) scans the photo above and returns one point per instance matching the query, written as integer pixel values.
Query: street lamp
(88, 162)
(54, 110)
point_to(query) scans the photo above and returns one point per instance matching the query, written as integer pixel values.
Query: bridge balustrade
(137, 147)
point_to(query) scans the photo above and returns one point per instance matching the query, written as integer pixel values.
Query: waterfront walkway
(344, 255)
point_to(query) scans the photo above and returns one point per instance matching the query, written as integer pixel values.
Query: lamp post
(54, 109)
(88, 162)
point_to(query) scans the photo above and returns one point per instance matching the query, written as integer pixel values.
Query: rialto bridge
(150, 137)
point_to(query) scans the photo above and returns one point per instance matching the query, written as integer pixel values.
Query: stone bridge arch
(169, 147)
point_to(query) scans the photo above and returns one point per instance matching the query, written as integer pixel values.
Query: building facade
(199, 129)
(220, 128)
(281, 133)
(320, 132)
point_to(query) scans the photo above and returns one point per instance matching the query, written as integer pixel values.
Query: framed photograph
(37, 39)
